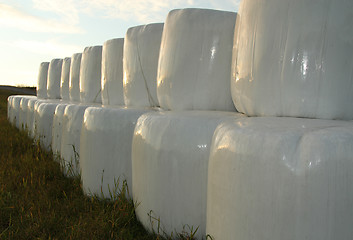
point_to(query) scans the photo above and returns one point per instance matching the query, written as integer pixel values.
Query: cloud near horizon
(146, 11)
(143, 11)
(49, 47)
(65, 14)
(15, 18)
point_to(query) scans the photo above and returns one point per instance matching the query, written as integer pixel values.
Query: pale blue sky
(35, 31)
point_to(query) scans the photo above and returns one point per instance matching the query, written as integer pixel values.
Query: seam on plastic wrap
(95, 98)
(284, 48)
(149, 95)
(351, 85)
(106, 89)
(323, 53)
(253, 53)
(108, 98)
(235, 50)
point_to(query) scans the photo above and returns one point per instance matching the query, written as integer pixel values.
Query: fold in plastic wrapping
(34, 131)
(294, 58)
(90, 75)
(170, 153)
(14, 109)
(65, 79)
(30, 117)
(24, 111)
(105, 166)
(42, 80)
(74, 84)
(70, 139)
(195, 60)
(112, 72)
(54, 79)
(57, 129)
(44, 123)
(9, 108)
(141, 52)
(39, 126)
(281, 178)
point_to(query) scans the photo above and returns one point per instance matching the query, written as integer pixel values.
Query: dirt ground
(20, 90)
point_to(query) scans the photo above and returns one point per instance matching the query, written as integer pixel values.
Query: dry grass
(38, 202)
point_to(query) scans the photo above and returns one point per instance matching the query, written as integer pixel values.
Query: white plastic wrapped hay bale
(57, 129)
(281, 178)
(141, 52)
(44, 123)
(44, 110)
(24, 112)
(112, 72)
(54, 78)
(170, 153)
(30, 116)
(36, 116)
(70, 139)
(90, 92)
(57, 123)
(18, 110)
(9, 108)
(65, 79)
(15, 110)
(107, 165)
(12, 114)
(42, 120)
(90, 75)
(111, 162)
(42, 80)
(74, 84)
(294, 58)
(195, 60)
(69, 91)
(21, 114)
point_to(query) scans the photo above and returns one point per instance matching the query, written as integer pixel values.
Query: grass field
(38, 202)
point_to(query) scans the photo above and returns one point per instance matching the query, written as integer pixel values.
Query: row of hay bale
(237, 126)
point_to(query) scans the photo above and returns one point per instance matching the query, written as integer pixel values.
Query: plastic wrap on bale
(57, 129)
(281, 178)
(70, 139)
(40, 119)
(65, 79)
(54, 79)
(36, 118)
(106, 166)
(44, 121)
(294, 58)
(9, 108)
(24, 112)
(90, 75)
(90, 95)
(44, 110)
(170, 153)
(195, 60)
(42, 80)
(14, 109)
(112, 72)
(74, 83)
(30, 116)
(141, 52)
